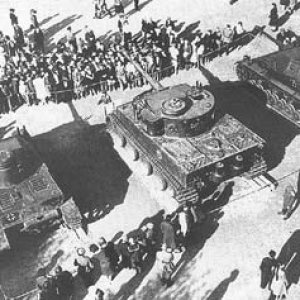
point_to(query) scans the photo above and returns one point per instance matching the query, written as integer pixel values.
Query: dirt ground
(223, 258)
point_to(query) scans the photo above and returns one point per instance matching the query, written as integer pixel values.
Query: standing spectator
(63, 281)
(168, 233)
(110, 252)
(13, 17)
(104, 261)
(19, 37)
(174, 55)
(267, 268)
(33, 19)
(279, 284)
(239, 30)
(274, 17)
(285, 4)
(85, 267)
(136, 5)
(71, 40)
(167, 260)
(185, 219)
(228, 37)
(187, 52)
(134, 250)
(119, 8)
(90, 39)
(124, 255)
(38, 40)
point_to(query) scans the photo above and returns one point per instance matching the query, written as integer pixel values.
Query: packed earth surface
(223, 259)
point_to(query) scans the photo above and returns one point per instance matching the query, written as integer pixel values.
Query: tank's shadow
(83, 162)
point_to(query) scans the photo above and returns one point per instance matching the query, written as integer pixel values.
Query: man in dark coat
(63, 281)
(168, 233)
(136, 5)
(13, 17)
(38, 40)
(19, 36)
(274, 17)
(33, 19)
(268, 267)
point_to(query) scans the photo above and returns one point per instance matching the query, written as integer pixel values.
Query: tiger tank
(277, 75)
(30, 199)
(181, 140)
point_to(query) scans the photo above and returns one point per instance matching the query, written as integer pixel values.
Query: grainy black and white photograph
(149, 150)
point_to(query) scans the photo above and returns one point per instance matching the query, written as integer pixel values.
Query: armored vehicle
(178, 136)
(278, 76)
(29, 196)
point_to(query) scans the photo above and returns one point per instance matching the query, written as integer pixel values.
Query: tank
(29, 196)
(278, 75)
(178, 136)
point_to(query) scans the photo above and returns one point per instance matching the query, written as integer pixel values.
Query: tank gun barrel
(154, 83)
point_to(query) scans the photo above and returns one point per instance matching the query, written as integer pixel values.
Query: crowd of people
(107, 259)
(79, 66)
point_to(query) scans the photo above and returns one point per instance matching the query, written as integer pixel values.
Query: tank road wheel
(252, 82)
(289, 110)
(259, 86)
(134, 154)
(282, 104)
(269, 97)
(171, 191)
(275, 99)
(119, 141)
(147, 168)
(160, 183)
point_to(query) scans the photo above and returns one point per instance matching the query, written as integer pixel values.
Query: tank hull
(191, 166)
(30, 199)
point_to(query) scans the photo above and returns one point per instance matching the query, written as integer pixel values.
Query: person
(85, 267)
(38, 38)
(285, 4)
(110, 252)
(185, 219)
(19, 36)
(168, 233)
(289, 202)
(136, 5)
(274, 17)
(267, 268)
(279, 284)
(281, 36)
(124, 255)
(105, 265)
(13, 17)
(33, 19)
(63, 281)
(167, 261)
(71, 40)
(119, 8)
(99, 294)
(134, 250)
(228, 37)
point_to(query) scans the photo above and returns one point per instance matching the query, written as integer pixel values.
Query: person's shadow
(290, 257)
(219, 292)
